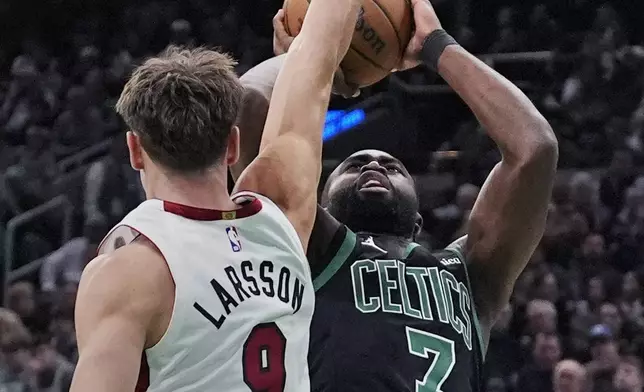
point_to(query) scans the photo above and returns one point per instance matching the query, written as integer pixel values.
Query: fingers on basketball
(278, 24)
(379, 42)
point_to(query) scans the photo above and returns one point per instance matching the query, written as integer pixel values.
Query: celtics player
(391, 315)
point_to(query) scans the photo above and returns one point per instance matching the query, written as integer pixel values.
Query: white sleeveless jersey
(243, 297)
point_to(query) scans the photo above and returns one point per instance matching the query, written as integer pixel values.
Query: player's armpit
(118, 300)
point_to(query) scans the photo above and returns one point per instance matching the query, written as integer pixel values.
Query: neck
(396, 246)
(208, 190)
(388, 238)
(374, 225)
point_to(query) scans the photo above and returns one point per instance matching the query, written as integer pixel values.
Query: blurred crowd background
(576, 321)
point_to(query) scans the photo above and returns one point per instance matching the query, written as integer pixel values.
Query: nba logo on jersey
(233, 238)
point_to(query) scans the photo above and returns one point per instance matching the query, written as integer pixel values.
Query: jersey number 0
(263, 359)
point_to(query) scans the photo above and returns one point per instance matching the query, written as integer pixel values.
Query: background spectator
(605, 357)
(537, 374)
(570, 376)
(628, 377)
(580, 61)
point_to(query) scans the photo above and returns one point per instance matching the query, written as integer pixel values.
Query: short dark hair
(183, 105)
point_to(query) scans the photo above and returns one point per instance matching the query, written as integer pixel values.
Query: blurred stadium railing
(85, 156)
(59, 203)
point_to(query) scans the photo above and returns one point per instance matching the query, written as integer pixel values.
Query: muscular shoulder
(138, 261)
(132, 280)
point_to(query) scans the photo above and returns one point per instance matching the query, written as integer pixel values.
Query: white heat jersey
(243, 299)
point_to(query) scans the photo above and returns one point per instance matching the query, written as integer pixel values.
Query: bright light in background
(340, 121)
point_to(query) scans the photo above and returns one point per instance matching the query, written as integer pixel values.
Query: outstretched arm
(258, 83)
(508, 219)
(287, 169)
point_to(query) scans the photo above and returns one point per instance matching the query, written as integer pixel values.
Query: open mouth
(373, 181)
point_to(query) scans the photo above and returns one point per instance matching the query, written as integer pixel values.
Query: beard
(395, 214)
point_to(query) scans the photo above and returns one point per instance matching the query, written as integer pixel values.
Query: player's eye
(393, 169)
(353, 166)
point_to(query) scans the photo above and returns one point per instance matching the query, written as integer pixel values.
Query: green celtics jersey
(386, 324)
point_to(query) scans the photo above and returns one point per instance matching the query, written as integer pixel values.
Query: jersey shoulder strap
(453, 257)
(458, 248)
(327, 260)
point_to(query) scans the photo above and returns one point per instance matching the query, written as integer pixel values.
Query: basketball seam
(382, 9)
(370, 61)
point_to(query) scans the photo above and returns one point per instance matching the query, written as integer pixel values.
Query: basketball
(381, 36)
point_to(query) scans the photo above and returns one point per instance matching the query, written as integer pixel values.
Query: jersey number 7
(422, 343)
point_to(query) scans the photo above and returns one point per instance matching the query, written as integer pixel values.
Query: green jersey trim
(457, 248)
(341, 256)
(410, 248)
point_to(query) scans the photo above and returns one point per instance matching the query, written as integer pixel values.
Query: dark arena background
(65, 177)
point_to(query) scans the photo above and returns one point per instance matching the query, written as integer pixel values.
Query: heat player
(212, 292)
(390, 315)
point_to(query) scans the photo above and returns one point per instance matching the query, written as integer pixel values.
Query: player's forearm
(510, 119)
(327, 32)
(303, 87)
(316, 52)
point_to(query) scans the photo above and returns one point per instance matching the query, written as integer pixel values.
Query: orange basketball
(381, 36)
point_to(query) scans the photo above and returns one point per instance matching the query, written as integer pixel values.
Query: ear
(232, 149)
(418, 226)
(135, 150)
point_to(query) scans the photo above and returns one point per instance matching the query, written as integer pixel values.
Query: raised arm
(508, 218)
(118, 313)
(258, 84)
(287, 169)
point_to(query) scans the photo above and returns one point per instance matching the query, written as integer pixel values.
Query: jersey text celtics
(424, 293)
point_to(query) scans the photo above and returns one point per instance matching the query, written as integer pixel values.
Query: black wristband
(433, 46)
